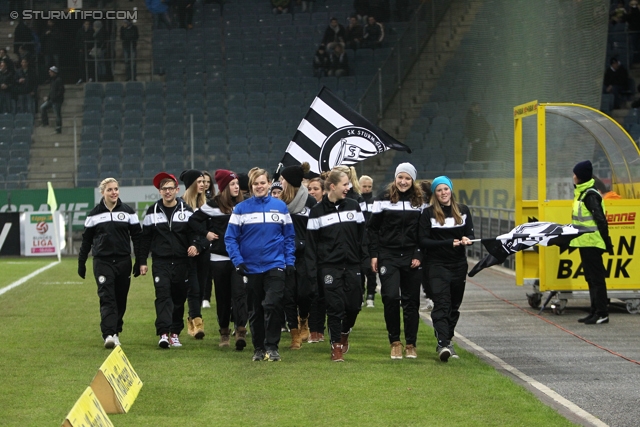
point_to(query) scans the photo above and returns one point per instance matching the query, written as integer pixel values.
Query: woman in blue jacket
(260, 240)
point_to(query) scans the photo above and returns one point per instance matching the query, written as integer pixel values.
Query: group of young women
(296, 252)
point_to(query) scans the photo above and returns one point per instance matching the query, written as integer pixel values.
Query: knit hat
(408, 169)
(584, 171)
(189, 177)
(441, 180)
(161, 176)
(276, 184)
(243, 182)
(224, 177)
(293, 175)
(54, 69)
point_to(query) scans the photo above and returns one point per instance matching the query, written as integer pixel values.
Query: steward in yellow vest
(589, 211)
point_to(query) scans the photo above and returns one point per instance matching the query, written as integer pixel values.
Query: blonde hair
(255, 173)
(334, 178)
(192, 198)
(350, 171)
(365, 178)
(105, 182)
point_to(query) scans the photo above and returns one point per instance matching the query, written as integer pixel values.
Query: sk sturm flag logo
(333, 134)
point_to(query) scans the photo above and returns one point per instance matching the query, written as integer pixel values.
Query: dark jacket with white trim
(210, 218)
(167, 238)
(437, 240)
(110, 233)
(335, 233)
(393, 227)
(260, 235)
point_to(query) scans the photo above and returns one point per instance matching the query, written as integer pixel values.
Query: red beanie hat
(223, 177)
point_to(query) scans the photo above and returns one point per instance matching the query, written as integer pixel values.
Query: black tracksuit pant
(318, 309)
(400, 286)
(371, 281)
(297, 294)
(171, 280)
(447, 282)
(194, 295)
(265, 292)
(595, 273)
(113, 277)
(231, 294)
(342, 290)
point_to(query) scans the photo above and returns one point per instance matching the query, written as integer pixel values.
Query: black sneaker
(258, 355)
(597, 320)
(585, 318)
(454, 355)
(272, 356)
(444, 353)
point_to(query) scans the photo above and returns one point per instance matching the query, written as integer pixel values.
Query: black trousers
(113, 277)
(595, 273)
(297, 294)
(231, 294)
(400, 286)
(447, 282)
(371, 281)
(318, 309)
(342, 290)
(171, 280)
(194, 298)
(264, 294)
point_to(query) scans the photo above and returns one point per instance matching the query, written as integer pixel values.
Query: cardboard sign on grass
(87, 412)
(116, 384)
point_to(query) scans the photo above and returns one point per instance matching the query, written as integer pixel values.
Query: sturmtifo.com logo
(92, 15)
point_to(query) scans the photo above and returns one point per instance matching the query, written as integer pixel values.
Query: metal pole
(75, 149)
(192, 160)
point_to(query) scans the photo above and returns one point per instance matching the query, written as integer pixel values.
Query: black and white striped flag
(333, 134)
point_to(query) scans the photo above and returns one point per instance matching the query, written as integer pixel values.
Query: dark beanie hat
(223, 178)
(293, 175)
(189, 177)
(243, 182)
(584, 171)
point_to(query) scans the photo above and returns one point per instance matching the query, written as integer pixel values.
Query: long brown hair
(289, 193)
(226, 202)
(415, 193)
(439, 213)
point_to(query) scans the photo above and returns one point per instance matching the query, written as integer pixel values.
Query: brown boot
(304, 328)
(198, 328)
(296, 342)
(344, 340)
(224, 337)
(336, 352)
(191, 330)
(241, 338)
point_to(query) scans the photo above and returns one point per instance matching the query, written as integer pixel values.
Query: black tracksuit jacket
(437, 240)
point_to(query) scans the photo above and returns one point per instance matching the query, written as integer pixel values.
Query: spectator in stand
(280, 6)
(25, 88)
(54, 100)
(619, 14)
(23, 37)
(616, 81)
(97, 52)
(334, 34)
(6, 88)
(185, 13)
(373, 34)
(338, 62)
(354, 33)
(321, 62)
(84, 43)
(51, 45)
(160, 11)
(129, 37)
(633, 22)
(361, 8)
(4, 56)
(477, 133)
(306, 5)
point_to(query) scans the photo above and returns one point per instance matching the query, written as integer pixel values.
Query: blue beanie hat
(441, 180)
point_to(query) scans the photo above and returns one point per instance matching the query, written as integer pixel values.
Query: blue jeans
(57, 108)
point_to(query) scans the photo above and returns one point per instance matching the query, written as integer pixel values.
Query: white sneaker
(370, 303)
(206, 304)
(109, 342)
(175, 341)
(164, 341)
(116, 339)
(428, 305)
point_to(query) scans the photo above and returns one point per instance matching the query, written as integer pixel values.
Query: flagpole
(53, 204)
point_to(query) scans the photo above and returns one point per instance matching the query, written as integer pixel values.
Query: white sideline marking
(27, 277)
(578, 411)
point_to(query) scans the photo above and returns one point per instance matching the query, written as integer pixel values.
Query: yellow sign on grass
(87, 412)
(116, 384)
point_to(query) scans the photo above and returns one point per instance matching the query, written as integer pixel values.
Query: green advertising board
(79, 201)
